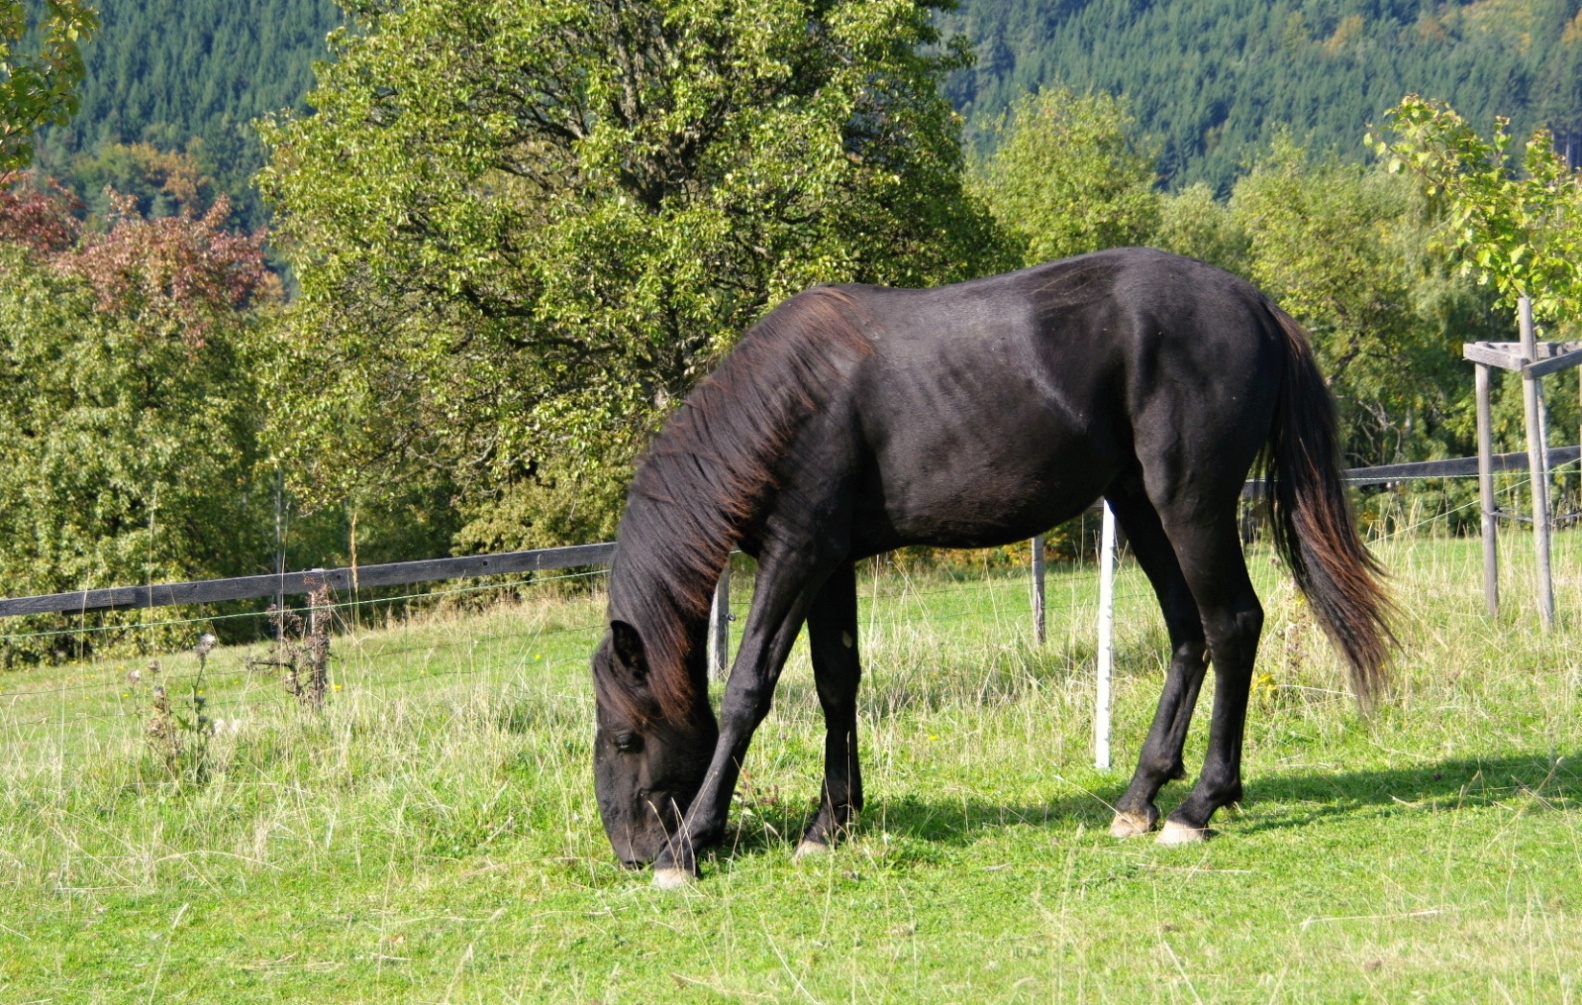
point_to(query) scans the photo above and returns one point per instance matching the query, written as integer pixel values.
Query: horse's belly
(967, 495)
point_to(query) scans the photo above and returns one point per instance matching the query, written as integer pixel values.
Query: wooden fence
(296, 583)
(545, 559)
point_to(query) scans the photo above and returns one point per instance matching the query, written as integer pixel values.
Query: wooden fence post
(1491, 556)
(1038, 589)
(1537, 463)
(280, 538)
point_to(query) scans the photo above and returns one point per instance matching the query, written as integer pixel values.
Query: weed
(301, 652)
(180, 738)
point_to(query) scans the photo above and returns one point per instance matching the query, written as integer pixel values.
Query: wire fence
(77, 706)
(513, 627)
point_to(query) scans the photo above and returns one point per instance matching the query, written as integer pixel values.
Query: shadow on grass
(1275, 801)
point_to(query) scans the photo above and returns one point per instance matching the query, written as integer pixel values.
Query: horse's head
(646, 767)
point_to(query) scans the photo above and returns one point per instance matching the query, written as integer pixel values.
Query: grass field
(432, 837)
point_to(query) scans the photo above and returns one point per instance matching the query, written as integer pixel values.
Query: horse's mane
(705, 477)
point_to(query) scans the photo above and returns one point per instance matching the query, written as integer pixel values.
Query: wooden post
(280, 539)
(1101, 712)
(1038, 589)
(1538, 463)
(357, 620)
(1491, 558)
(720, 625)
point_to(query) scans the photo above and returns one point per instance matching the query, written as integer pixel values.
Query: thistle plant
(180, 737)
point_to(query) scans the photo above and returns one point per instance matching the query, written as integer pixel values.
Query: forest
(188, 77)
(1209, 80)
(1206, 80)
(517, 236)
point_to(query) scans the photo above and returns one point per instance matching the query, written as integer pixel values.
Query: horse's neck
(659, 561)
(659, 587)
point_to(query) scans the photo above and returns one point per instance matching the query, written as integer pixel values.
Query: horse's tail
(1311, 518)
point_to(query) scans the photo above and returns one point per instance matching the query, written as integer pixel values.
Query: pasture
(431, 836)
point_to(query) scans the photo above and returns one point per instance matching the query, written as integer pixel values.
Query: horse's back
(992, 409)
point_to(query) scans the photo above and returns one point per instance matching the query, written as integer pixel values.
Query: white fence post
(1101, 712)
(1039, 616)
(720, 625)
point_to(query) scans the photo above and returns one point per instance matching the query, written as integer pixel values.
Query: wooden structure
(1533, 360)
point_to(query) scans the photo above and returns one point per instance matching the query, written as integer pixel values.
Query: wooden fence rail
(248, 587)
(1453, 467)
(544, 559)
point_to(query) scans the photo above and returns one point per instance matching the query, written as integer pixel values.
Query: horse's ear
(629, 649)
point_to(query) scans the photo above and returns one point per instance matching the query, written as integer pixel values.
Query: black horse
(855, 419)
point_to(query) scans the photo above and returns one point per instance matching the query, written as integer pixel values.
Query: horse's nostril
(631, 863)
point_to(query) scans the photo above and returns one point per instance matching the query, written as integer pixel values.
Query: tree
(1339, 245)
(129, 413)
(523, 231)
(1067, 176)
(1520, 233)
(37, 88)
(37, 213)
(1193, 223)
(184, 277)
(163, 182)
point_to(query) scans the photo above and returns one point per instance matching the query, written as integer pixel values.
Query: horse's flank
(707, 474)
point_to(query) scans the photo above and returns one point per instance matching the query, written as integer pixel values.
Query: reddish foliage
(37, 213)
(178, 272)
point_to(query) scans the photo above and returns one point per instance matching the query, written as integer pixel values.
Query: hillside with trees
(1209, 81)
(187, 77)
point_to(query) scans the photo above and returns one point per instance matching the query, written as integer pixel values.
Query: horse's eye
(627, 743)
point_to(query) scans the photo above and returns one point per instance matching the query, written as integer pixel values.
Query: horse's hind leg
(1160, 760)
(832, 635)
(1209, 549)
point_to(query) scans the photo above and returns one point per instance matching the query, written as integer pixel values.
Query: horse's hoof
(672, 879)
(809, 849)
(1173, 833)
(1126, 825)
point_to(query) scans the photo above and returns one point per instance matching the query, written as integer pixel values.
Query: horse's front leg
(782, 594)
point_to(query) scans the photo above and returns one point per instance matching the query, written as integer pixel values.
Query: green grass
(432, 835)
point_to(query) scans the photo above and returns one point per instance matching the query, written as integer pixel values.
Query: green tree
(1522, 233)
(129, 413)
(38, 88)
(523, 231)
(1339, 245)
(1067, 177)
(1194, 223)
